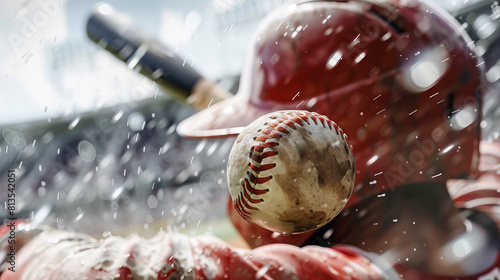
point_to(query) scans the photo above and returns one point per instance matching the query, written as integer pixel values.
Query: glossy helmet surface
(399, 77)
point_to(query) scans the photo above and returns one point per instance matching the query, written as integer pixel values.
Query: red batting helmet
(400, 77)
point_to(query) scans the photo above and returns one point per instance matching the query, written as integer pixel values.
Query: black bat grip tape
(119, 35)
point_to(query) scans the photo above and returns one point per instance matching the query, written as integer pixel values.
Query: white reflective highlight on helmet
(424, 74)
(334, 60)
(463, 118)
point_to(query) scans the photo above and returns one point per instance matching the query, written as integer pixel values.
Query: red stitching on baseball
(259, 180)
(240, 209)
(314, 119)
(270, 144)
(290, 124)
(253, 190)
(247, 194)
(282, 129)
(264, 167)
(268, 138)
(245, 203)
(267, 154)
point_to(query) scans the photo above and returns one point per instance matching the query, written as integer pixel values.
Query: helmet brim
(224, 119)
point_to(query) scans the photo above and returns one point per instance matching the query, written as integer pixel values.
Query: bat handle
(206, 93)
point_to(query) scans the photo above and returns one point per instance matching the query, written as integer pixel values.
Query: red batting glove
(68, 255)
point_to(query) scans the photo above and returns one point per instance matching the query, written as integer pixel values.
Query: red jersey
(481, 198)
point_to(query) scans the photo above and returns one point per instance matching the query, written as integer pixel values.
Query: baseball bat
(118, 34)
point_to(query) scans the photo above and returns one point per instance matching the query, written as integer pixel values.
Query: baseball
(291, 171)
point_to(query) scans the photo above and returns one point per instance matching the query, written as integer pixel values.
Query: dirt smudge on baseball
(320, 159)
(317, 171)
(305, 220)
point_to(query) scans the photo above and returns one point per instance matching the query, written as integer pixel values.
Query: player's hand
(57, 254)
